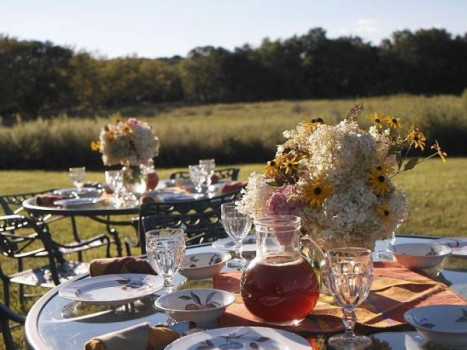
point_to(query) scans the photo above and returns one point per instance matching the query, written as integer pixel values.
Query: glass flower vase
(134, 179)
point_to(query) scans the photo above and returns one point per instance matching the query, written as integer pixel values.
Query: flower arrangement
(337, 178)
(129, 142)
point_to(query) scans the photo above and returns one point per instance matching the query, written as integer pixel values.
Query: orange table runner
(395, 290)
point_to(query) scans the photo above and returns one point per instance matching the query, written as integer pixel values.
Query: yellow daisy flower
(376, 119)
(313, 124)
(316, 191)
(417, 138)
(110, 135)
(127, 129)
(384, 211)
(393, 122)
(290, 164)
(95, 145)
(438, 149)
(272, 167)
(378, 180)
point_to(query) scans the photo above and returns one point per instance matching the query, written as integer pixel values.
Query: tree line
(40, 78)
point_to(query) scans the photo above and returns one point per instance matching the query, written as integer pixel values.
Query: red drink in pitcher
(280, 288)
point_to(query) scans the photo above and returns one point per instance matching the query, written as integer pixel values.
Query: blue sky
(163, 28)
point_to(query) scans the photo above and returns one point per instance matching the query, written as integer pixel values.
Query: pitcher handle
(312, 245)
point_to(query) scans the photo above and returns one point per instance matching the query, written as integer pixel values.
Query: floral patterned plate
(444, 325)
(457, 244)
(228, 244)
(115, 289)
(246, 338)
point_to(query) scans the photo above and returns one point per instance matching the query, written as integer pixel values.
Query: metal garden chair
(200, 219)
(7, 315)
(224, 173)
(25, 239)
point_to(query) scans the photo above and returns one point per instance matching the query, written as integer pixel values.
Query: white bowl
(203, 265)
(444, 325)
(420, 255)
(197, 305)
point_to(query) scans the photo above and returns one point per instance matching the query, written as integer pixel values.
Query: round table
(57, 323)
(104, 213)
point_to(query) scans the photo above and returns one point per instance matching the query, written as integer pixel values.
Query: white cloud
(367, 25)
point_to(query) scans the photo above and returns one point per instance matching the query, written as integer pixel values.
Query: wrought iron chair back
(13, 203)
(223, 173)
(200, 219)
(25, 238)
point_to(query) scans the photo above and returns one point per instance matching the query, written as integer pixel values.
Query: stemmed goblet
(208, 165)
(114, 180)
(237, 225)
(77, 176)
(165, 249)
(349, 274)
(197, 176)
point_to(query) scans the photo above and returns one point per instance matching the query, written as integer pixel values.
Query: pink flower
(280, 204)
(132, 122)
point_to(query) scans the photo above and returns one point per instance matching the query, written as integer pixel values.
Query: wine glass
(77, 176)
(237, 225)
(165, 249)
(197, 176)
(208, 165)
(349, 274)
(114, 181)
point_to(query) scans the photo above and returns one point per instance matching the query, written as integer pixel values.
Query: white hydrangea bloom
(343, 154)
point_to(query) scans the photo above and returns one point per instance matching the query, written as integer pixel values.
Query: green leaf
(410, 164)
(184, 297)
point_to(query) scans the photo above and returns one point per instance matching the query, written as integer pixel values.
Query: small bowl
(201, 306)
(420, 255)
(203, 265)
(445, 325)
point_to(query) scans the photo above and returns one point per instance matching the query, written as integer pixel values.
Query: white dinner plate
(84, 192)
(112, 289)
(457, 244)
(241, 338)
(167, 196)
(228, 244)
(445, 325)
(77, 202)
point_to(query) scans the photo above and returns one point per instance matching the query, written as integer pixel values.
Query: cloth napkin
(138, 337)
(233, 186)
(48, 200)
(395, 290)
(128, 264)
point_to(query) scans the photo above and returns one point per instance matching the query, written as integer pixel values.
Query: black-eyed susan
(393, 122)
(95, 145)
(416, 138)
(272, 167)
(111, 134)
(376, 119)
(313, 124)
(385, 211)
(440, 152)
(378, 180)
(290, 164)
(316, 191)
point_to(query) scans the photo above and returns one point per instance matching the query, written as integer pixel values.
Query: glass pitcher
(279, 285)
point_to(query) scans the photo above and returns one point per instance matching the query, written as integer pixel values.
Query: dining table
(101, 207)
(58, 323)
